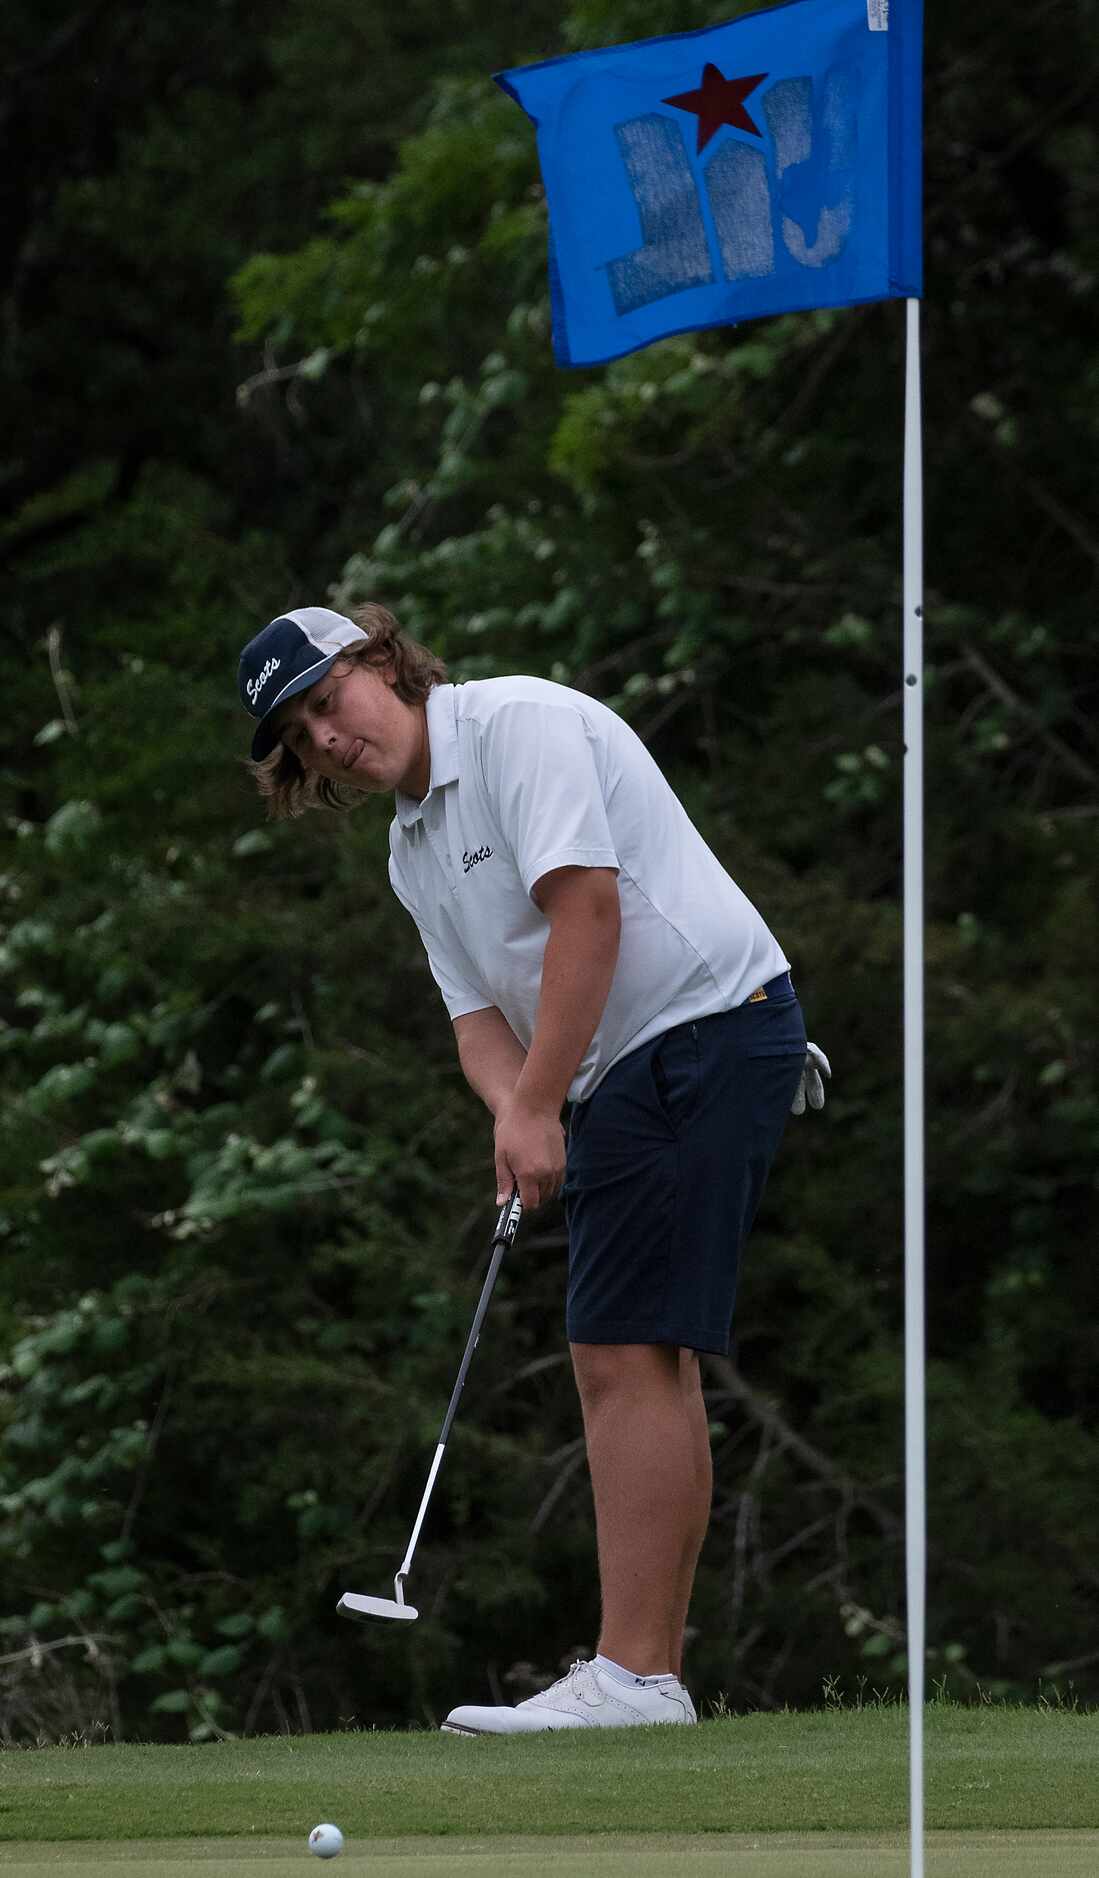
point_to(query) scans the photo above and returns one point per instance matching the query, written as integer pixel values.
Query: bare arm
(490, 1054)
(582, 907)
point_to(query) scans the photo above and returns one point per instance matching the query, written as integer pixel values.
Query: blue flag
(766, 166)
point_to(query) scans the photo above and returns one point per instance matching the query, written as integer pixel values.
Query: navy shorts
(667, 1162)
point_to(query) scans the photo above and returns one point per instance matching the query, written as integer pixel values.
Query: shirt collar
(442, 742)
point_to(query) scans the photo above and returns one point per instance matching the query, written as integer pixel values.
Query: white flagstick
(914, 1360)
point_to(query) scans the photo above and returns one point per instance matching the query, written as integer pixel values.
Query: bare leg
(644, 1422)
(698, 1421)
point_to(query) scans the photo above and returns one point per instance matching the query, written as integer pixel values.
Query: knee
(604, 1371)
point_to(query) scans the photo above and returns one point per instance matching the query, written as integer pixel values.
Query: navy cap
(288, 656)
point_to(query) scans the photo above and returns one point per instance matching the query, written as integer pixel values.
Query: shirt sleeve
(541, 772)
(451, 966)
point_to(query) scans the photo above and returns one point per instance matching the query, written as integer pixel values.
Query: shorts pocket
(776, 1028)
(677, 1073)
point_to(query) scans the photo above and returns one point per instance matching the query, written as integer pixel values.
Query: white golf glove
(810, 1086)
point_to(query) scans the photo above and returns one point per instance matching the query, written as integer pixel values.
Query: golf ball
(326, 1841)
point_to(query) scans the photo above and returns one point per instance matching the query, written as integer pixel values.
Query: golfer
(590, 950)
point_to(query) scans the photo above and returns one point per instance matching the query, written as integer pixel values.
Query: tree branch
(35, 1651)
(1002, 690)
(767, 1416)
(61, 680)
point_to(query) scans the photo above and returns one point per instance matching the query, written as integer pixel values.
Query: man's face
(351, 727)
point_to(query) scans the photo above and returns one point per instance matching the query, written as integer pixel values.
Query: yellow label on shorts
(757, 997)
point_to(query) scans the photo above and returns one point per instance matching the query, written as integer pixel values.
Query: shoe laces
(579, 1681)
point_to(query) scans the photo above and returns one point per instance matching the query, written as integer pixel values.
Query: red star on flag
(718, 101)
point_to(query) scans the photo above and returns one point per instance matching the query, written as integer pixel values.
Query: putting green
(609, 1855)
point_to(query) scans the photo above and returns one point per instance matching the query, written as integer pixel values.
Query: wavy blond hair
(286, 786)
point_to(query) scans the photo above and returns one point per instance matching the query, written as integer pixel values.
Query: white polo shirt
(527, 776)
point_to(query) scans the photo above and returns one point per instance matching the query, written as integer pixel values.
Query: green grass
(987, 1768)
(615, 1855)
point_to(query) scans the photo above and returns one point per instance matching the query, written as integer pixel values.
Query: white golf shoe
(588, 1697)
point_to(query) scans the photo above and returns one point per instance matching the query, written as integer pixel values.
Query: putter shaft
(354, 1604)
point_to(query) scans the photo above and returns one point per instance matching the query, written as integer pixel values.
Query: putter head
(353, 1605)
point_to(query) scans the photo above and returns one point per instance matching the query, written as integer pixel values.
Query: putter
(353, 1604)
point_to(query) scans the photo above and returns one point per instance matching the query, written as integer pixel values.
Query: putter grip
(510, 1214)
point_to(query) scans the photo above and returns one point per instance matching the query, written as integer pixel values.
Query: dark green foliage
(276, 329)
